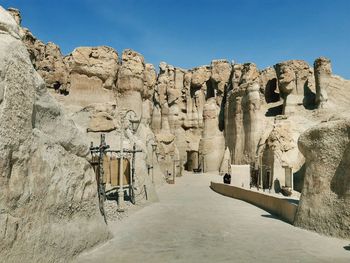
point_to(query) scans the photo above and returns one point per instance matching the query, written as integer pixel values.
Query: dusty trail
(191, 223)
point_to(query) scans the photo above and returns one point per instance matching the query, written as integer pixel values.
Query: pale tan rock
(100, 62)
(323, 75)
(46, 58)
(249, 74)
(236, 76)
(180, 76)
(53, 69)
(101, 122)
(324, 203)
(220, 72)
(166, 151)
(200, 76)
(130, 83)
(280, 150)
(269, 86)
(220, 76)
(131, 73)
(243, 120)
(295, 78)
(212, 143)
(16, 14)
(150, 80)
(8, 24)
(48, 188)
(156, 122)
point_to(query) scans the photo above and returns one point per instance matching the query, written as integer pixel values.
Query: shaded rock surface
(48, 199)
(325, 198)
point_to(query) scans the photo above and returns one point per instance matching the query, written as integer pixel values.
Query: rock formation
(243, 119)
(193, 115)
(323, 74)
(295, 82)
(92, 74)
(325, 199)
(48, 191)
(130, 84)
(212, 143)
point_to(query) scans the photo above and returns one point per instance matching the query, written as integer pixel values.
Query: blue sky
(188, 33)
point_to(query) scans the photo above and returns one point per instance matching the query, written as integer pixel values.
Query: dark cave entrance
(210, 90)
(272, 97)
(271, 91)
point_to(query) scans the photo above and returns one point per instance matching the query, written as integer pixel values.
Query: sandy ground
(191, 223)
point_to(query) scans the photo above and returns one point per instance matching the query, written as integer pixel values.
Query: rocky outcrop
(279, 152)
(100, 62)
(47, 59)
(48, 190)
(179, 100)
(243, 116)
(212, 143)
(130, 83)
(295, 83)
(16, 14)
(92, 75)
(325, 199)
(323, 74)
(193, 115)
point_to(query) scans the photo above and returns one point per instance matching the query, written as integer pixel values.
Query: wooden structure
(106, 164)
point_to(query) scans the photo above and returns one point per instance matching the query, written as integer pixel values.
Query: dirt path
(191, 223)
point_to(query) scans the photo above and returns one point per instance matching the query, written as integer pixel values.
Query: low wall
(277, 206)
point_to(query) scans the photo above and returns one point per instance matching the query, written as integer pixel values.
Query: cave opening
(56, 86)
(271, 91)
(59, 88)
(273, 99)
(210, 90)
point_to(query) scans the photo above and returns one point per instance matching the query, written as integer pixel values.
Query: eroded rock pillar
(323, 73)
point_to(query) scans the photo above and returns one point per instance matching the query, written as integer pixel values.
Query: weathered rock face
(295, 82)
(101, 62)
(179, 100)
(48, 192)
(269, 86)
(323, 75)
(16, 14)
(150, 80)
(280, 152)
(92, 74)
(89, 74)
(46, 58)
(325, 199)
(243, 121)
(212, 143)
(53, 69)
(130, 83)
(187, 110)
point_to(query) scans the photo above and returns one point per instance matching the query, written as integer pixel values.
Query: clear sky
(188, 33)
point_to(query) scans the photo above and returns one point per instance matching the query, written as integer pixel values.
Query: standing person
(227, 178)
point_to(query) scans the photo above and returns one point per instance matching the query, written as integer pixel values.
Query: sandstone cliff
(48, 200)
(194, 114)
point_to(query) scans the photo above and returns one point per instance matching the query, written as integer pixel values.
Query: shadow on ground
(347, 247)
(271, 216)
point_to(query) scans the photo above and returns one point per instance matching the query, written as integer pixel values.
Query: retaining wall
(274, 205)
